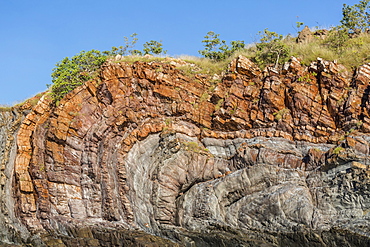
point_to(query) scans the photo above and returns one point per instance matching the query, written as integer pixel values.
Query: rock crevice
(257, 157)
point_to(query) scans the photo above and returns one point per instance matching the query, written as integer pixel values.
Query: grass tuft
(5, 108)
(354, 52)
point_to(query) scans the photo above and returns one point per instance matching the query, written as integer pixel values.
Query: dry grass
(355, 51)
(194, 65)
(205, 65)
(147, 59)
(31, 102)
(5, 108)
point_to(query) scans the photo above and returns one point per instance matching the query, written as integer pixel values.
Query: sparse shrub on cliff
(271, 49)
(280, 114)
(337, 150)
(219, 104)
(150, 47)
(337, 39)
(127, 49)
(73, 72)
(348, 43)
(217, 49)
(351, 52)
(153, 47)
(204, 97)
(357, 17)
(194, 147)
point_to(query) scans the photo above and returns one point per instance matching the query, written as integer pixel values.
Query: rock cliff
(151, 155)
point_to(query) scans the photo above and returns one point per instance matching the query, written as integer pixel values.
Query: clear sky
(35, 35)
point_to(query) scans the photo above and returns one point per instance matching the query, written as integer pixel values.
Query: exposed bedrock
(256, 190)
(149, 155)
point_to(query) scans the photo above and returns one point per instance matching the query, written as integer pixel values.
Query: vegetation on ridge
(26, 104)
(217, 49)
(348, 43)
(73, 72)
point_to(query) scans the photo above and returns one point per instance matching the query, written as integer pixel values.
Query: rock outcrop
(149, 155)
(305, 35)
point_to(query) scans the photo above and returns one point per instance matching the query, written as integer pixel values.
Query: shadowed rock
(150, 156)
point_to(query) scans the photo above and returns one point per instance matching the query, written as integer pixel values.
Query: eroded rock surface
(152, 156)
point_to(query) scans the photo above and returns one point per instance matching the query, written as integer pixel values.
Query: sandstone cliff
(148, 155)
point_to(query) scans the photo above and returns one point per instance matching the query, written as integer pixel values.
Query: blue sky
(35, 35)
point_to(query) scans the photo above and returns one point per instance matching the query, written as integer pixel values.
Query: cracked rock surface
(149, 155)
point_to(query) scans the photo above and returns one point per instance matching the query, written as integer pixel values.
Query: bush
(153, 47)
(217, 49)
(127, 49)
(337, 39)
(352, 52)
(356, 17)
(271, 49)
(150, 47)
(73, 72)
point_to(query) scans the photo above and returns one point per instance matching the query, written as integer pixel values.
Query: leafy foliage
(355, 20)
(150, 47)
(271, 49)
(73, 72)
(127, 49)
(337, 39)
(356, 17)
(299, 24)
(217, 49)
(153, 47)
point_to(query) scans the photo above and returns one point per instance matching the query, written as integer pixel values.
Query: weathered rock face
(149, 156)
(305, 35)
(9, 224)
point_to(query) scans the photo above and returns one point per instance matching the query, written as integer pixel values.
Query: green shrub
(356, 17)
(127, 49)
(153, 47)
(150, 47)
(280, 114)
(73, 72)
(338, 150)
(219, 104)
(337, 40)
(352, 53)
(216, 49)
(271, 49)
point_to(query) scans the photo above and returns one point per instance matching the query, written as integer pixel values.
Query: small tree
(153, 47)
(337, 39)
(356, 17)
(235, 46)
(298, 24)
(271, 48)
(127, 49)
(73, 72)
(217, 49)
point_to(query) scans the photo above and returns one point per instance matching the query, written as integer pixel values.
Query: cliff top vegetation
(348, 44)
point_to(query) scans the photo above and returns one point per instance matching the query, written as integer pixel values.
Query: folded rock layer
(150, 155)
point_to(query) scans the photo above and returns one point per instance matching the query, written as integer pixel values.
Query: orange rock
(244, 66)
(82, 143)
